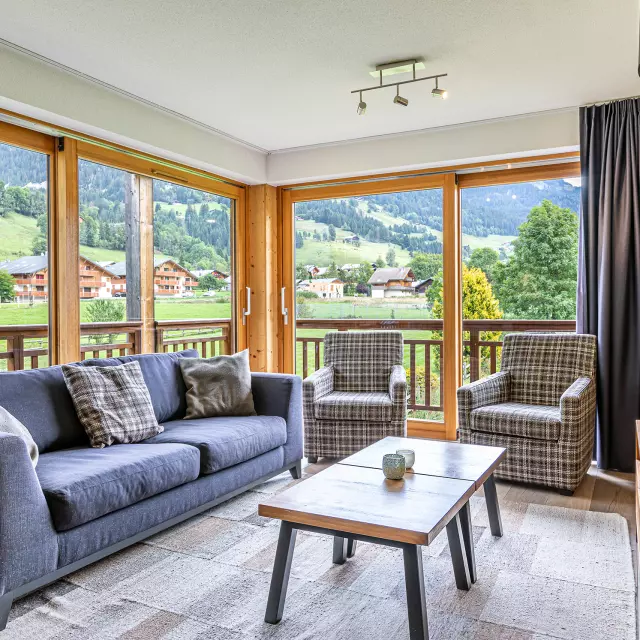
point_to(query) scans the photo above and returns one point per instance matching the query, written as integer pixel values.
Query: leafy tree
(332, 233)
(484, 258)
(363, 274)
(209, 282)
(299, 240)
(302, 273)
(380, 263)
(391, 257)
(39, 245)
(538, 282)
(7, 284)
(105, 310)
(425, 265)
(332, 271)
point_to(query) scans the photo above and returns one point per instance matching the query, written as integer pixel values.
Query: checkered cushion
(362, 360)
(347, 405)
(521, 420)
(112, 403)
(543, 366)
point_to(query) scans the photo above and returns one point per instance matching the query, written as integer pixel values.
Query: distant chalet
(392, 282)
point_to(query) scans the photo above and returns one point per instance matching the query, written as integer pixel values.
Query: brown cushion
(112, 403)
(219, 386)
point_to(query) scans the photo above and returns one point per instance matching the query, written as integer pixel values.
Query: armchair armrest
(398, 391)
(28, 540)
(578, 408)
(494, 389)
(318, 384)
(280, 394)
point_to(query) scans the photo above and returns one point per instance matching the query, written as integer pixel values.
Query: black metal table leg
(416, 598)
(351, 547)
(458, 554)
(281, 571)
(339, 550)
(493, 508)
(467, 535)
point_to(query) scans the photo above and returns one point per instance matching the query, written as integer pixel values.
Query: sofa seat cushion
(226, 441)
(538, 422)
(374, 406)
(83, 484)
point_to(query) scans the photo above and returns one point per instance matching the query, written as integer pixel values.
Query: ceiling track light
(437, 92)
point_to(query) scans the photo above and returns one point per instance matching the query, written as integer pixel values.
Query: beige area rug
(556, 573)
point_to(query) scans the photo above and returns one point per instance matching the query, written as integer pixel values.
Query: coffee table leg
(416, 598)
(351, 548)
(467, 535)
(281, 571)
(493, 508)
(458, 554)
(339, 550)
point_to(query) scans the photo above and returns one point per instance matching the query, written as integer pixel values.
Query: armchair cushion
(374, 406)
(537, 422)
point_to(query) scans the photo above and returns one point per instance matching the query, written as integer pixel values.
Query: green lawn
(16, 236)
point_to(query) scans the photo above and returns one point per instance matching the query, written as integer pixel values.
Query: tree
(105, 310)
(538, 282)
(302, 273)
(380, 263)
(299, 240)
(484, 258)
(209, 282)
(425, 265)
(391, 257)
(332, 233)
(7, 286)
(39, 246)
(332, 270)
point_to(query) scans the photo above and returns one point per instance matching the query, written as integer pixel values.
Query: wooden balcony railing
(209, 337)
(482, 341)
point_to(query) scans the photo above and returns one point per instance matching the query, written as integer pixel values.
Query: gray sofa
(82, 504)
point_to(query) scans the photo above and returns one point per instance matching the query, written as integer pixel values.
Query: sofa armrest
(28, 540)
(398, 391)
(495, 389)
(578, 409)
(280, 394)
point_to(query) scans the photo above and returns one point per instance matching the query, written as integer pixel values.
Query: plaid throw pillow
(112, 403)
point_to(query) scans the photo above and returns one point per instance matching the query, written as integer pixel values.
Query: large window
(193, 268)
(365, 262)
(24, 260)
(520, 255)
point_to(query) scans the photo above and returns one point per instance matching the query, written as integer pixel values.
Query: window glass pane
(520, 254)
(362, 263)
(109, 263)
(193, 268)
(24, 262)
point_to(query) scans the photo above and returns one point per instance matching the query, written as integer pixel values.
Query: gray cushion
(224, 442)
(83, 484)
(219, 386)
(11, 425)
(112, 403)
(161, 372)
(534, 421)
(375, 406)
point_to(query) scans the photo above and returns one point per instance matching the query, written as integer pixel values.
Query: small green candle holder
(393, 466)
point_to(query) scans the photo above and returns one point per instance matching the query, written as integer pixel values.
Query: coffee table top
(360, 500)
(440, 458)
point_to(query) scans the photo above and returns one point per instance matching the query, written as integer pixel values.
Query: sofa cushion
(224, 442)
(40, 400)
(83, 484)
(539, 422)
(347, 405)
(161, 373)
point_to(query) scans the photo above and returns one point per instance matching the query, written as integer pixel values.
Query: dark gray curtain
(609, 270)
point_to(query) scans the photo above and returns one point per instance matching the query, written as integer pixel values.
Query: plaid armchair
(358, 397)
(541, 407)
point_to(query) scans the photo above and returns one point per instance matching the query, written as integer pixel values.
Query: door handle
(285, 311)
(247, 310)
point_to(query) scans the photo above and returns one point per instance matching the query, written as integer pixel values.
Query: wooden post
(132, 245)
(474, 336)
(64, 279)
(147, 267)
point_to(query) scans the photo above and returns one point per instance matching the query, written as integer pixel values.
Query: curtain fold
(609, 270)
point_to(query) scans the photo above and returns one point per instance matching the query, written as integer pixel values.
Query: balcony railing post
(474, 336)
(18, 352)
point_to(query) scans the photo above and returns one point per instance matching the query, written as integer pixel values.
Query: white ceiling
(278, 73)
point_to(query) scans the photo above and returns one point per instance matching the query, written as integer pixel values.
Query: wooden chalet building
(170, 278)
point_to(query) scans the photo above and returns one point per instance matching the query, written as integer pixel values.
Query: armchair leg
(312, 459)
(565, 492)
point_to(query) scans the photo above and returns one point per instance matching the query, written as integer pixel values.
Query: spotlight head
(439, 93)
(362, 108)
(400, 100)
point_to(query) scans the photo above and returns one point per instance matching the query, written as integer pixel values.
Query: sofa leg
(5, 606)
(312, 459)
(296, 472)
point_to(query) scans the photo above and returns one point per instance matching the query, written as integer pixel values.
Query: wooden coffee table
(446, 459)
(354, 503)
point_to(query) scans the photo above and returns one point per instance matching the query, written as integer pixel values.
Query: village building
(351, 240)
(170, 278)
(421, 286)
(348, 268)
(392, 282)
(329, 288)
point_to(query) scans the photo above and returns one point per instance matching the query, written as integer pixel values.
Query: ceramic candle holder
(393, 466)
(409, 456)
